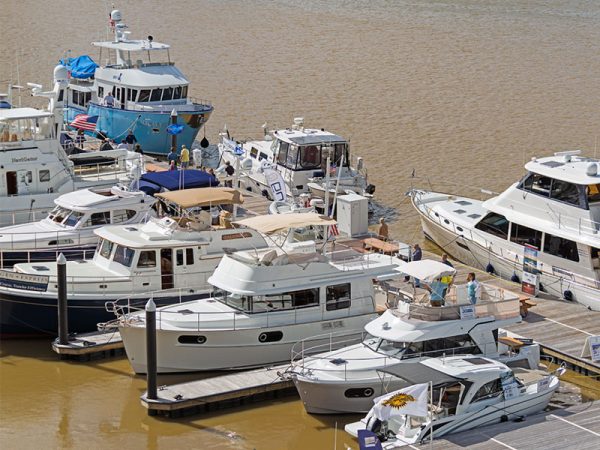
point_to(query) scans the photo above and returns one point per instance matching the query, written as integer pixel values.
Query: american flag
(84, 122)
(333, 230)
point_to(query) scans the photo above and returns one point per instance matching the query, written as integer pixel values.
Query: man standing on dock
(417, 255)
(185, 157)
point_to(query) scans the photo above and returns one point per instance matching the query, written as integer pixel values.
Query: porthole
(191, 339)
(270, 336)
(359, 392)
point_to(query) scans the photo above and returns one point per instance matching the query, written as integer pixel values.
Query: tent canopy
(271, 223)
(190, 198)
(174, 180)
(81, 67)
(426, 269)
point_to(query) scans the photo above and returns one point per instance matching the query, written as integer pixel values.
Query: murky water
(458, 91)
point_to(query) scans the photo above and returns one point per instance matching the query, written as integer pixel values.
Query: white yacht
(169, 257)
(69, 227)
(263, 303)
(461, 393)
(35, 170)
(552, 215)
(300, 155)
(346, 380)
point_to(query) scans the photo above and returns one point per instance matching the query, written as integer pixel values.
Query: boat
(138, 89)
(542, 231)
(346, 379)
(301, 156)
(35, 169)
(69, 227)
(263, 302)
(167, 258)
(454, 394)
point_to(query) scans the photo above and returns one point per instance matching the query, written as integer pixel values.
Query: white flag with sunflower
(411, 401)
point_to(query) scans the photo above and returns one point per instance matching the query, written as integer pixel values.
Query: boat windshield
(385, 346)
(65, 216)
(261, 303)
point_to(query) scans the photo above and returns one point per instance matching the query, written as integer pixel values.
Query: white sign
(467, 312)
(511, 390)
(591, 348)
(276, 183)
(543, 384)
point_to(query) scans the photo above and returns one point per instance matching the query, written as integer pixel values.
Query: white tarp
(271, 223)
(426, 269)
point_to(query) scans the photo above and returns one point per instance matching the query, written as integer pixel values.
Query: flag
(174, 129)
(367, 440)
(84, 122)
(276, 183)
(333, 230)
(408, 401)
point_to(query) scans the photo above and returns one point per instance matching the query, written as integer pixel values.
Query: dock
(91, 346)
(226, 390)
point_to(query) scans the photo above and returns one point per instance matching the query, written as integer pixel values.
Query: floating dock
(89, 346)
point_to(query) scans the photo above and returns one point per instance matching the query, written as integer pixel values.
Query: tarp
(271, 223)
(81, 67)
(148, 187)
(174, 180)
(426, 269)
(190, 198)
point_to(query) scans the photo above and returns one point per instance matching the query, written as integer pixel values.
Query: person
(383, 231)
(230, 171)
(106, 145)
(138, 149)
(416, 255)
(185, 157)
(473, 288)
(446, 261)
(437, 292)
(109, 100)
(172, 158)
(123, 144)
(80, 138)
(130, 140)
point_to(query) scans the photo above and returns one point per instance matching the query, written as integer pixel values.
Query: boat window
(189, 256)
(98, 218)
(179, 256)
(392, 348)
(132, 94)
(167, 94)
(105, 248)
(340, 149)
(563, 248)
(177, 93)
(100, 92)
(371, 342)
(461, 344)
(262, 156)
(156, 95)
(593, 193)
(338, 297)
(521, 235)
(253, 152)
(73, 218)
(144, 95)
(184, 91)
(565, 192)
(488, 390)
(495, 224)
(122, 215)
(59, 214)
(123, 255)
(282, 155)
(256, 304)
(310, 157)
(44, 175)
(536, 183)
(292, 156)
(147, 258)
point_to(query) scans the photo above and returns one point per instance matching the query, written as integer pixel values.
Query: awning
(416, 373)
(426, 269)
(271, 223)
(190, 198)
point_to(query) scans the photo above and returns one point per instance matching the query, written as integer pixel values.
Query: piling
(174, 135)
(63, 319)
(151, 393)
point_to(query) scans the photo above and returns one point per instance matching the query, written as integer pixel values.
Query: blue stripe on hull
(28, 315)
(149, 128)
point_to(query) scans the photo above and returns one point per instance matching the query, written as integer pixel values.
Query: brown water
(461, 91)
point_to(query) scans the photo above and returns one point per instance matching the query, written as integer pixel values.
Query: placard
(467, 312)
(511, 390)
(543, 384)
(591, 348)
(530, 281)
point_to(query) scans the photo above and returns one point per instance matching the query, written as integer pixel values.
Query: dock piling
(63, 319)
(151, 393)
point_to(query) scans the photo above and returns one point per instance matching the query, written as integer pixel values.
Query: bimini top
(308, 136)
(173, 180)
(426, 269)
(190, 198)
(23, 113)
(132, 45)
(271, 223)
(419, 373)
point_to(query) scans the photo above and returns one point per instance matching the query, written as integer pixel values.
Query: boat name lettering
(334, 324)
(26, 282)
(24, 159)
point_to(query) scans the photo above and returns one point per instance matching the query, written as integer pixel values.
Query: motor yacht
(346, 379)
(464, 393)
(541, 231)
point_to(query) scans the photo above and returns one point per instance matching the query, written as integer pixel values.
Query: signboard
(23, 281)
(511, 390)
(543, 384)
(591, 348)
(467, 312)
(530, 281)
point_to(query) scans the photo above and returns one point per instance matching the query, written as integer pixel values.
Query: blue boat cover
(81, 67)
(174, 180)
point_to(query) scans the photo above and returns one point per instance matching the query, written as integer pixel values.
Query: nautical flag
(175, 129)
(84, 122)
(333, 230)
(410, 401)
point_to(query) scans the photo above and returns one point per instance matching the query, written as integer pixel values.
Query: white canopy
(271, 223)
(426, 269)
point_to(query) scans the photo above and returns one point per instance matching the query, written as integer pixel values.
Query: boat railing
(128, 310)
(194, 105)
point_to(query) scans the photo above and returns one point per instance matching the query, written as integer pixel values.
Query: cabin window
(144, 96)
(253, 152)
(44, 175)
(565, 192)
(156, 95)
(488, 390)
(179, 257)
(122, 215)
(282, 155)
(563, 248)
(538, 184)
(184, 91)
(292, 156)
(338, 297)
(340, 149)
(461, 344)
(230, 236)
(593, 193)
(262, 156)
(73, 218)
(495, 224)
(147, 259)
(177, 93)
(289, 300)
(189, 256)
(123, 255)
(106, 248)
(98, 218)
(522, 235)
(310, 157)
(132, 94)
(167, 94)
(100, 92)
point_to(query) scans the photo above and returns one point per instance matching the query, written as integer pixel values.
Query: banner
(530, 281)
(23, 281)
(276, 183)
(410, 401)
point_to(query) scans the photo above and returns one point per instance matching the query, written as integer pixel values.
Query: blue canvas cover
(174, 180)
(81, 67)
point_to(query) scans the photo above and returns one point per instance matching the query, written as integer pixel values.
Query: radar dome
(61, 73)
(592, 170)
(115, 15)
